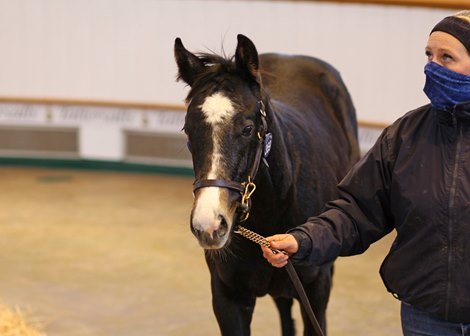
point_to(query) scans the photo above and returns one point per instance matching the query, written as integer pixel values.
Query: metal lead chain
(254, 237)
(259, 239)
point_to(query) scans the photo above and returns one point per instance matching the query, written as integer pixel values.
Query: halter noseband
(246, 188)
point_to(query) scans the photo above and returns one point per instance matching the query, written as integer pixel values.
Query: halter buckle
(245, 205)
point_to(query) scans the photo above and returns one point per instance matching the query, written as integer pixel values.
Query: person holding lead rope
(415, 180)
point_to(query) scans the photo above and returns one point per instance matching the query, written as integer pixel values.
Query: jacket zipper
(451, 214)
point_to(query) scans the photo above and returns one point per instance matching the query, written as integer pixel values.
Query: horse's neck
(280, 168)
(269, 204)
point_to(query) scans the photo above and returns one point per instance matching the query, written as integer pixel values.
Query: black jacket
(416, 180)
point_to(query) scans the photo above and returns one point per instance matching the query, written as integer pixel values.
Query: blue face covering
(445, 88)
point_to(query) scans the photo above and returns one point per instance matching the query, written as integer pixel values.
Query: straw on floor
(15, 323)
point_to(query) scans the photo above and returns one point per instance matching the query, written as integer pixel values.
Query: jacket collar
(461, 112)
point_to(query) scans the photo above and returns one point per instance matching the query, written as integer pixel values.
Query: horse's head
(225, 124)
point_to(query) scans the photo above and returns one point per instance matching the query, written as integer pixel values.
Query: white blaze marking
(218, 110)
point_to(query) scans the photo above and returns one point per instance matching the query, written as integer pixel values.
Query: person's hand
(282, 242)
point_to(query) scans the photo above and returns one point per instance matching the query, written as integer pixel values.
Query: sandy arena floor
(93, 253)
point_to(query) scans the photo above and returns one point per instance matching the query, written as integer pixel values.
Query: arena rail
(111, 135)
(126, 104)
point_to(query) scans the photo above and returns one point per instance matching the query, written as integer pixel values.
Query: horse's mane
(215, 66)
(216, 69)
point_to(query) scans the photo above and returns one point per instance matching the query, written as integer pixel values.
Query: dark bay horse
(285, 126)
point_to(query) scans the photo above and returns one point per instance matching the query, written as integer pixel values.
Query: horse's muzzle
(212, 238)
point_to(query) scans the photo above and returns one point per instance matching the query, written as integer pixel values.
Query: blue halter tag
(268, 140)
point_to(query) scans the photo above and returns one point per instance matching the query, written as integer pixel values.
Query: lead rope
(260, 240)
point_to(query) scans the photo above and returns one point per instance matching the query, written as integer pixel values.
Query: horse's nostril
(223, 227)
(211, 236)
(196, 232)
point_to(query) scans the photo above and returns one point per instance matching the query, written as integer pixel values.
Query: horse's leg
(318, 293)
(233, 310)
(284, 306)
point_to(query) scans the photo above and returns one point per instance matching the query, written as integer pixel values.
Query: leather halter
(247, 187)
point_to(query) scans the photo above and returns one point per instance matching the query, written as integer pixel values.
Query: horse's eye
(247, 131)
(189, 145)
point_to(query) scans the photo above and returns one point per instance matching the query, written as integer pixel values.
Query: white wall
(122, 50)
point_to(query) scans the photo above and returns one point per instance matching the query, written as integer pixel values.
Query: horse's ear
(246, 58)
(189, 65)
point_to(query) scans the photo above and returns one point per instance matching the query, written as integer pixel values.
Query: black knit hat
(457, 25)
